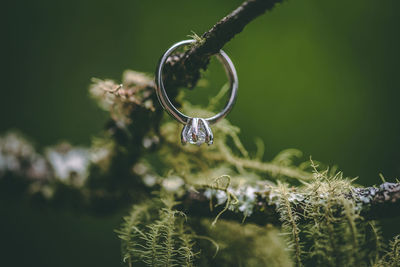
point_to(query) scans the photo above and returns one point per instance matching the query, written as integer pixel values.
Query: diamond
(196, 132)
(194, 139)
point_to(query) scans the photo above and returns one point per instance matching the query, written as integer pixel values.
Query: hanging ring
(196, 130)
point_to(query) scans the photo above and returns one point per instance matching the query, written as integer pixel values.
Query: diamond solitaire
(197, 132)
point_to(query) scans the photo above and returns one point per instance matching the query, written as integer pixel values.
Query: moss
(321, 220)
(244, 245)
(154, 234)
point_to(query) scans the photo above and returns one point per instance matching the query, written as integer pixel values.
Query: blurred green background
(320, 76)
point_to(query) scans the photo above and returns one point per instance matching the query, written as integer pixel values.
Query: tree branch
(60, 176)
(183, 70)
(374, 202)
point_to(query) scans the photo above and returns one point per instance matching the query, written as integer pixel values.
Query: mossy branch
(183, 70)
(321, 210)
(374, 202)
(66, 171)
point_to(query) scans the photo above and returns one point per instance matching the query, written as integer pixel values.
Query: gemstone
(192, 138)
(196, 132)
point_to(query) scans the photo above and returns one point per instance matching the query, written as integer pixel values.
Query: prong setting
(209, 135)
(197, 131)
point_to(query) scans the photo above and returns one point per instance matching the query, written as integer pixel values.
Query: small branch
(375, 203)
(183, 70)
(381, 202)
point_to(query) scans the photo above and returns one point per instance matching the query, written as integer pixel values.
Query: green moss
(244, 245)
(321, 224)
(154, 234)
(320, 221)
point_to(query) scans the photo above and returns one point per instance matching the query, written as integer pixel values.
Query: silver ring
(196, 130)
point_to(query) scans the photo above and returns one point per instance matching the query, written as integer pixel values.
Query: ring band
(196, 130)
(174, 112)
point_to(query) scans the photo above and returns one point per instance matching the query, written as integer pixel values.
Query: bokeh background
(319, 76)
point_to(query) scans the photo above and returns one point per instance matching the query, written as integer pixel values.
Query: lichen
(139, 159)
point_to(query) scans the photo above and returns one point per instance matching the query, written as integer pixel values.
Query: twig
(183, 70)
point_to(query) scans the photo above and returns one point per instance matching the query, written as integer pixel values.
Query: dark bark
(379, 202)
(376, 203)
(183, 70)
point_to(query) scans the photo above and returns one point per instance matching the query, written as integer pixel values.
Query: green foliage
(290, 225)
(320, 220)
(244, 245)
(227, 156)
(391, 257)
(335, 228)
(322, 225)
(154, 239)
(129, 233)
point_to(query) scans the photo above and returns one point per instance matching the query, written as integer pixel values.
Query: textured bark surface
(183, 70)
(375, 203)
